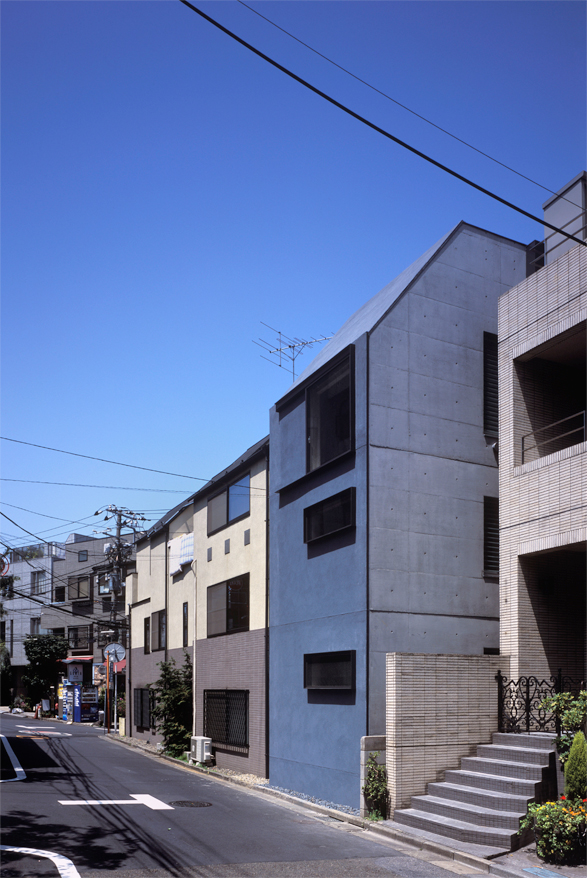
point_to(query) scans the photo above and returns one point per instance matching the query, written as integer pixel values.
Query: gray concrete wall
(430, 464)
(318, 603)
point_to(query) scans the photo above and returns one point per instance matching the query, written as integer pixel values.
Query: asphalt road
(227, 831)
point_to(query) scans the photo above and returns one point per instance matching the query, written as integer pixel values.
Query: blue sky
(165, 191)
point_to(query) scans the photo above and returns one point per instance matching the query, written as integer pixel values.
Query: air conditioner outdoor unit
(200, 749)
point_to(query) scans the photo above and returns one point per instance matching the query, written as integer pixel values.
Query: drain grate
(191, 804)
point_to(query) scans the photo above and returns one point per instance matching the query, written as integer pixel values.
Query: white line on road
(18, 769)
(65, 867)
(150, 801)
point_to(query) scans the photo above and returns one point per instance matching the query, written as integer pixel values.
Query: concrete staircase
(483, 802)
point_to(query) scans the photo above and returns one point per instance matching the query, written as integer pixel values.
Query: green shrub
(571, 711)
(375, 789)
(559, 828)
(173, 705)
(576, 769)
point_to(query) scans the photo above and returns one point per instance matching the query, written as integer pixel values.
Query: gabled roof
(249, 455)
(372, 312)
(369, 314)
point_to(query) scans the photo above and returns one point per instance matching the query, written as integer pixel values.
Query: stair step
(520, 770)
(483, 798)
(459, 829)
(508, 785)
(503, 753)
(479, 816)
(534, 740)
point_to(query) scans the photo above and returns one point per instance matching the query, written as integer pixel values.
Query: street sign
(115, 652)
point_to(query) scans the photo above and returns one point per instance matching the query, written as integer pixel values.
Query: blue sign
(77, 704)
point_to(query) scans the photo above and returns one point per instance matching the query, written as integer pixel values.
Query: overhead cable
(379, 130)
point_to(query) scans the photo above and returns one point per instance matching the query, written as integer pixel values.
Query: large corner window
(228, 606)
(229, 505)
(78, 588)
(80, 637)
(329, 415)
(330, 670)
(491, 537)
(158, 631)
(226, 716)
(329, 516)
(490, 412)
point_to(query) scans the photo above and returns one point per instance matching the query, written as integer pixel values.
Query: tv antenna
(287, 350)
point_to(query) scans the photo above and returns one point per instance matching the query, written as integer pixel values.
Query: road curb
(391, 833)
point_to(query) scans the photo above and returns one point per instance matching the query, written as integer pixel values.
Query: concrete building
(384, 510)
(218, 597)
(37, 570)
(82, 607)
(543, 454)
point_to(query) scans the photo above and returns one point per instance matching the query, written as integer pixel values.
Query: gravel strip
(346, 809)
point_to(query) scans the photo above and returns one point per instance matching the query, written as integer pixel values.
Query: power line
(379, 130)
(403, 106)
(104, 460)
(108, 487)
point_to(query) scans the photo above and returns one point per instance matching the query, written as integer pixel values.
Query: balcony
(554, 437)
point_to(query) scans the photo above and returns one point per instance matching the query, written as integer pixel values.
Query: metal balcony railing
(554, 435)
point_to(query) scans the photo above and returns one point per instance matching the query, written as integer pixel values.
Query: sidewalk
(466, 860)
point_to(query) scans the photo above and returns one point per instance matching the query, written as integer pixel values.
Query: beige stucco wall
(240, 559)
(543, 502)
(439, 707)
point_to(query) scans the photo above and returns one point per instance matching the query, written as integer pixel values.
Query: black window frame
(77, 640)
(142, 708)
(59, 594)
(313, 389)
(220, 722)
(185, 623)
(346, 499)
(147, 635)
(225, 492)
(491, 538)
(73, 588)
(326, 660)
(227, 584)
(84, 553)
(158, 631)
(490, 392)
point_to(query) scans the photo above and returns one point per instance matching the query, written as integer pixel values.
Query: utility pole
(118, 553)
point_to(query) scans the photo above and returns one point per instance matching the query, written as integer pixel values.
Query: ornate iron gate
(519, 702)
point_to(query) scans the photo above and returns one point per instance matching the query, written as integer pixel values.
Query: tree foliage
(576, 769)
(5, 676)
(173, 705)
(44, 652)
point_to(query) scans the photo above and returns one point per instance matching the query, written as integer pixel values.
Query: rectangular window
(36, 625)
(491, 536)
(142, 708)
(329, 516)
(158, 631)
(330, 670)
(59, 594)
(58, 632)
(78, 588)
(184, 620)
(147, 635)
(83, 555)
(228, 606)
(226, 716)
(329, 416)
(230, 504)
(80, 638)
(3, 631)
(38, 581)
(490, 410)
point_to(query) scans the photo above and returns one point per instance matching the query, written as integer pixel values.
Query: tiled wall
(439, 707)
(543, 502)
(236, 661)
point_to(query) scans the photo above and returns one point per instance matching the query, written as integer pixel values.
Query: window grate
(226, 716)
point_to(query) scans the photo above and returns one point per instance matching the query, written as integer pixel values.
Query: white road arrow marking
(150, 801)
(16, 766)
(65, 867)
